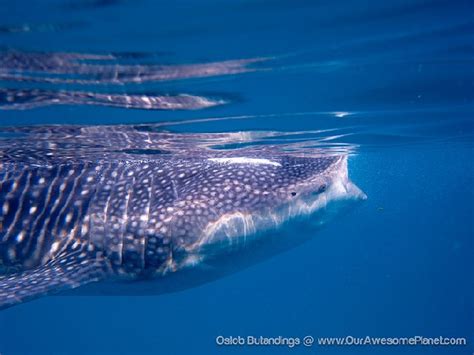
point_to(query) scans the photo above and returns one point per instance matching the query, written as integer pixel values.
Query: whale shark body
(132, 217)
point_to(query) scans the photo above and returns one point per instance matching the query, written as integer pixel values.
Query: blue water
(398, 265)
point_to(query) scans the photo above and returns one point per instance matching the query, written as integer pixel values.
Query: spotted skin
(67, 223)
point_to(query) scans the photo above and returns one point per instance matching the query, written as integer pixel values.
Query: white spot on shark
(244, 160)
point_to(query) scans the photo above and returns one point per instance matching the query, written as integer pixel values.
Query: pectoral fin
(62, 273)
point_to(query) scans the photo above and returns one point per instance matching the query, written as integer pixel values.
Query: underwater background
(391, 81)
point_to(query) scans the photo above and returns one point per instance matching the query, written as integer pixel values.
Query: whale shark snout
(343, 186)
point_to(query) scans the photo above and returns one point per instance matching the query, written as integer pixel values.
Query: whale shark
(151, 210)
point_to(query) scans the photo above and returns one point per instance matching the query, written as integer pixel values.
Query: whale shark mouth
(238, 229)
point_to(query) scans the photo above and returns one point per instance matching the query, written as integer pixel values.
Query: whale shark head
(235, 201)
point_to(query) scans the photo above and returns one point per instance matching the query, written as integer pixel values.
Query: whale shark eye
(293, 193)
(322, 188)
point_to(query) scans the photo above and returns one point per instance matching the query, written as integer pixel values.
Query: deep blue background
(398, 265)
